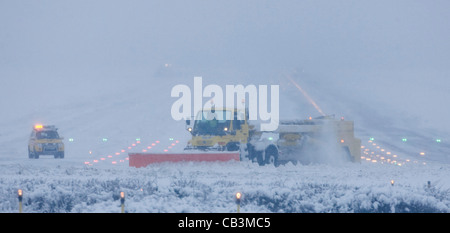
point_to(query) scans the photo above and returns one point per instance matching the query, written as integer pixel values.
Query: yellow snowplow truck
(45, 140)
(322, 139)
(212, 131)
(226, 134)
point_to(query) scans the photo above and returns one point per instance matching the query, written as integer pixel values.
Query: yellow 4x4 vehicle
(45, 140)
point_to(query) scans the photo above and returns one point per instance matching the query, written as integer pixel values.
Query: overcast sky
(82, 36)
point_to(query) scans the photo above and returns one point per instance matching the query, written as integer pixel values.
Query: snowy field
(103, 74)
(66, 186)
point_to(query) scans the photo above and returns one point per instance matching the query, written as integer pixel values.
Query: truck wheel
(36, 155)
(260, 159)
(272, 157)
(254, 155)
(232, 146)
(30, 154)
(257, 156)
(59, 155)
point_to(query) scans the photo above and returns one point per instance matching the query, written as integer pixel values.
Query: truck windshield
(47, 135)
(208, 123)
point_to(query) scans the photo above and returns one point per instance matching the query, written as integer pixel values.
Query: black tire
(259, 158)
(272, 156)
(233, 146)
(30, 154)
(255, 155)
(59, 155)
(36, 155)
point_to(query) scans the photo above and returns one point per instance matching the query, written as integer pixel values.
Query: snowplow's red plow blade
(144, 159)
